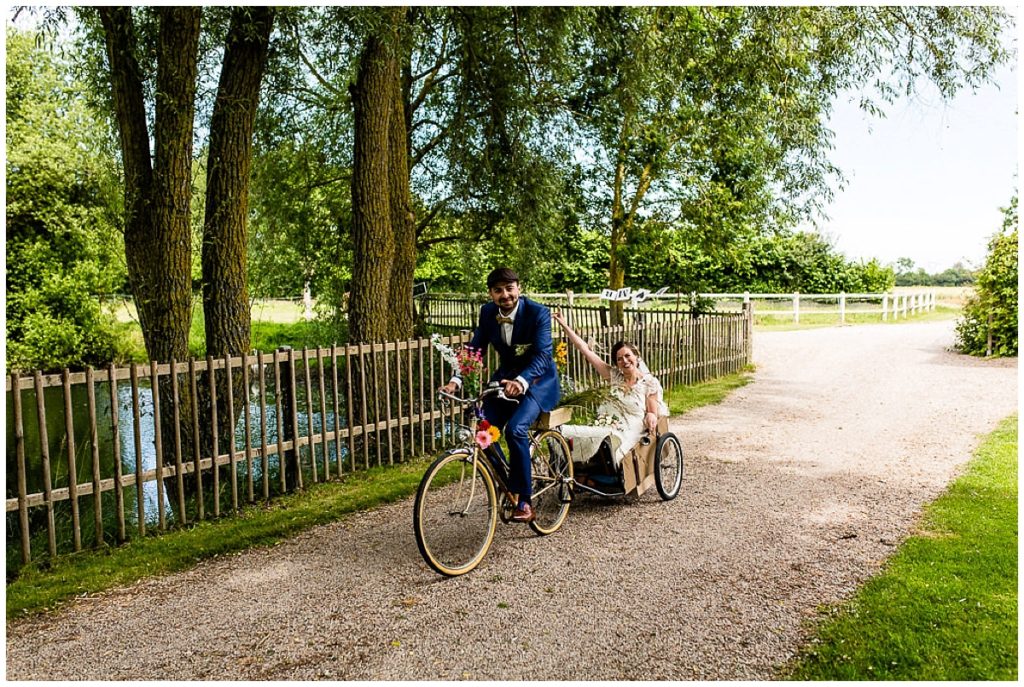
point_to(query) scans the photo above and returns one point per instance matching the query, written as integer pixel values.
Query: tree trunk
(225, 230)
(616, 270)
(157, 235)
(157, 198)
(373, 234)
(403, 220)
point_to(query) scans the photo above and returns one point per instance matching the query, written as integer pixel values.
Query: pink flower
(483, 438)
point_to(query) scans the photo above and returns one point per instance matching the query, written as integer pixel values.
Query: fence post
(842, 307)
(796, 308)
(289, 459)
(885, 307)
(988, 345)
(748, 330)
(19, 437)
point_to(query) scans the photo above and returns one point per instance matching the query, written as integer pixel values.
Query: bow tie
(505, 320)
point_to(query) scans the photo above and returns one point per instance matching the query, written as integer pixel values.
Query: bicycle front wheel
(455, 514)
(552, 481)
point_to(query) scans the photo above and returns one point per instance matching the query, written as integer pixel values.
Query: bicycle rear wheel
(552, 480)
(455, 514)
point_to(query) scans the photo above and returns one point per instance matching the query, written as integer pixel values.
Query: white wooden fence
(888, 305)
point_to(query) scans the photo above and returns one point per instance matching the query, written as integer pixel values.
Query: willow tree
(717, 116)
(157, 186)
(380, 304)
(467, 87)
(228, 173)
(157, 182)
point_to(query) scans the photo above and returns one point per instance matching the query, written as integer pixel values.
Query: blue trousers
(514, 420)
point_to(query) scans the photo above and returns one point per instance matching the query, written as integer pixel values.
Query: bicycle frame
(480, 458)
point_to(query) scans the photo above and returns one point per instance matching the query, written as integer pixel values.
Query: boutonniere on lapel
(522, 349)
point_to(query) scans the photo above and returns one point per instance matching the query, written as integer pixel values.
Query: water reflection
(58, 450)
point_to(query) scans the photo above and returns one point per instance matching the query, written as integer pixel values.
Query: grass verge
(945, 606)
(812, 320)
(683, 399)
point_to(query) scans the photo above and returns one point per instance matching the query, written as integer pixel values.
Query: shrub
(63, 202)
(992, 311)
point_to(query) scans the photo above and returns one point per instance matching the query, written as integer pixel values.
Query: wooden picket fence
(306, 416)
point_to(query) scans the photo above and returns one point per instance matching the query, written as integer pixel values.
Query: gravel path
(797, 489)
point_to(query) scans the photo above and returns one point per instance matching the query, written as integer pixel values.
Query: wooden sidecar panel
(638, 464)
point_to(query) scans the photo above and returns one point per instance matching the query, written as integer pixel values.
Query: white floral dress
(619, 418)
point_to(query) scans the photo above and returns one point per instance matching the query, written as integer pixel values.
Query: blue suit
(531, 330)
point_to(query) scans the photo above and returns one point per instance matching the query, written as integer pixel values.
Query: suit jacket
(532, 332)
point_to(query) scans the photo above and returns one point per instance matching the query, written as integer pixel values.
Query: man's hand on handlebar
(449, 388)
(512, 388)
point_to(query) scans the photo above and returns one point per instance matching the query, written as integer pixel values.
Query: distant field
(945, 295)
(284, 311)
(279, 311)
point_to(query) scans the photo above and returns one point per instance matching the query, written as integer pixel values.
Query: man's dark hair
(501, 275)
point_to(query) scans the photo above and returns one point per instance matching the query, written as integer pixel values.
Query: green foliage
(780, 262)
(63, 203)
(957, 275)
(945, 607)
(992, 311)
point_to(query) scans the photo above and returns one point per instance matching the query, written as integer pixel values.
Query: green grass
(811, 320)
(683, 399)
(265, 334)
(41, 587)
(945, 606)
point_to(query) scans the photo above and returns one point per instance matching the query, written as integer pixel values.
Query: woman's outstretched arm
(603, 368)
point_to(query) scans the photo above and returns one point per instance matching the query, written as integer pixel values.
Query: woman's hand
(650, 421)
(558, 317)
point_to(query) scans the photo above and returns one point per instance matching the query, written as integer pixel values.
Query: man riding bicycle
(520, 331)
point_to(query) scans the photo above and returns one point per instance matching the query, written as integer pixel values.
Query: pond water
(57, 443)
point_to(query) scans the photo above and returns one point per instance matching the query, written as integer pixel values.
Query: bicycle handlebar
(492, 389)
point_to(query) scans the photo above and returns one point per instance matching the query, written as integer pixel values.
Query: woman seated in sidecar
(630, 413)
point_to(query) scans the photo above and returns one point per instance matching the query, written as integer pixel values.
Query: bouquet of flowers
(468, 361)
(606, 420)
(486, 434)
(471, 367)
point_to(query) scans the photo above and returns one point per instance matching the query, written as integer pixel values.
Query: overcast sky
(927, 181)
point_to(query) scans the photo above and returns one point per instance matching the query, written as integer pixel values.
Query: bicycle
(458, 502)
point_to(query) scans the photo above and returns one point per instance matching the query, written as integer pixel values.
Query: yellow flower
(561, 355)
(493, 431)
